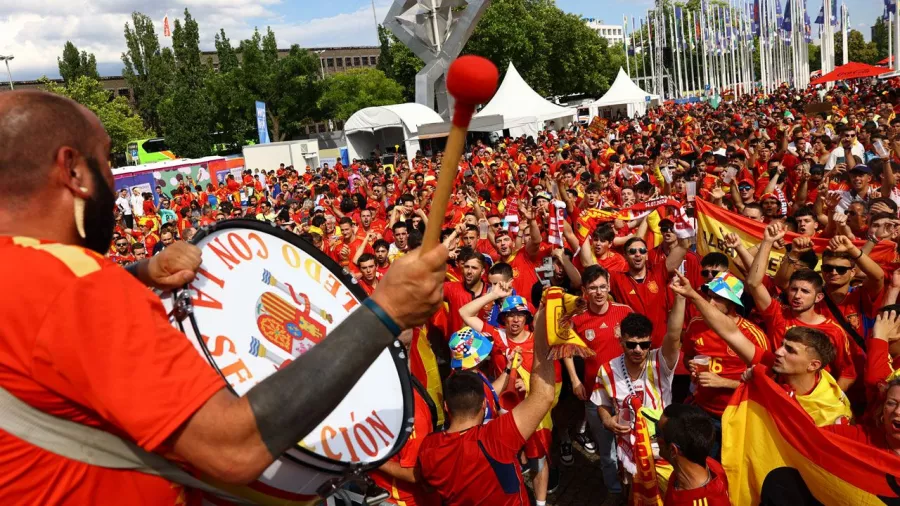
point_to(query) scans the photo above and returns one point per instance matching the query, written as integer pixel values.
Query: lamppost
(8, 73)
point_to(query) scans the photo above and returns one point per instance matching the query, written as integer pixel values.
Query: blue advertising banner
(261, 124)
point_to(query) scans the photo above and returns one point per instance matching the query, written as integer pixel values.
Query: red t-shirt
(714, 493)
(402, 492)
(699, 339)
(601, 333)
(335, 253)
(475, 466)
(524, 275)
(80, 341)
(456, 295)
(649, 297)
(502, 345)
(779, 320)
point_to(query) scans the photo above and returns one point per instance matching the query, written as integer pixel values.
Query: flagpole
(625, 32)
(844, 33)
(690, 42)
(643, 69)
(896, 35)
(650, 24)
(733, 49)
(703, 46)
(676, 47)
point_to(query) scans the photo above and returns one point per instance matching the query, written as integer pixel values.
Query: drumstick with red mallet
(471, 80)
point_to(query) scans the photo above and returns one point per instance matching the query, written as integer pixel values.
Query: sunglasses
(839, 269)
(121, 244)
(709, 273)
(632, 251)
(645, 345)
(744, 187)
(665, 230)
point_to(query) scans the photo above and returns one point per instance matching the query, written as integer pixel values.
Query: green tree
(512, 31)
(148, 68)
(860, 50)
(555, 52)
(73, 64)
(580, 61)
(815, 57)
(119, 119)
(880, 38)
(232, 114)
(398, 62)
(350, 91)
(186, 111)
(290, 86)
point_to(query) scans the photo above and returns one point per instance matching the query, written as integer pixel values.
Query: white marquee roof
(623, 91)
(515, 99)
(408, 116)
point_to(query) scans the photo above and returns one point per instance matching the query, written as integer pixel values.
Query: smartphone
(841, 159)
(755, 125)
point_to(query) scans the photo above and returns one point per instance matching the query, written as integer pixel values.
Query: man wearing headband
(84, 341)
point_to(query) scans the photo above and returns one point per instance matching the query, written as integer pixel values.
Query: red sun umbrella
(887, 61)
(852, 70)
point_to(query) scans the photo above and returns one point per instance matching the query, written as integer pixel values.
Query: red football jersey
(601, 333)
(699, 339)
(779, 320)
(714, 493)
(524, 275)
(476, 466)
(649, 297)
(84, 341)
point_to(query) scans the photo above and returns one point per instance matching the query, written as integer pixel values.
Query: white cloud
(35, 32)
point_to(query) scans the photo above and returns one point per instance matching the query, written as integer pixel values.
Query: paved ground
(580, 484)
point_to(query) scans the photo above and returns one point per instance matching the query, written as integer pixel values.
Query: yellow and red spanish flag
(714, 222)
(423, 366)
(645, 489)
(772, 449)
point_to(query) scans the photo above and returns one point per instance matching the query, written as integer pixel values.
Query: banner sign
(262, 124)
(714, 222)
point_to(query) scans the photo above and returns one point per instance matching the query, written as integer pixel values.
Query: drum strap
(91, 446)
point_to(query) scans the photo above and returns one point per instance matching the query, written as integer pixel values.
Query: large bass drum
(264, 297)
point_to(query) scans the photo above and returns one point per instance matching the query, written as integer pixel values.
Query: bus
(148, 151)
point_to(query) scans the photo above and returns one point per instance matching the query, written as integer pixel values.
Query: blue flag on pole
(756, 17)
(786, 24)
(821, 19)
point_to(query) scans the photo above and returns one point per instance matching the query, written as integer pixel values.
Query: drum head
(261, 299)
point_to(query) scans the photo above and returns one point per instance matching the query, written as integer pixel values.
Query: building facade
(612, 33)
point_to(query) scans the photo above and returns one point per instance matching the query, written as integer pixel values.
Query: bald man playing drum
(83, 340)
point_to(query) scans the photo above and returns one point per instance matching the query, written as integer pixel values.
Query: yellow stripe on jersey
(26, 241)
(77, 259)
(761, 340)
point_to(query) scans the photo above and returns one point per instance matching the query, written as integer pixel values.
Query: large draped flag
(714, 222)
(772, 449)
(561, 307)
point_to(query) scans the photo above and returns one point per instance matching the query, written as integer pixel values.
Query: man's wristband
(508, 370)
(383, 316)
(861, 253)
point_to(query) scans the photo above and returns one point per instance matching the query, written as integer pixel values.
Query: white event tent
(520, 109)
(625, 98)
(385, 126)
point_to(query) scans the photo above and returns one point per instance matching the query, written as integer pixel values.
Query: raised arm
(469, 312)
(761, 297)
(719, 322)
(671, 346)
(676, 256)
(874, 281)
(570, 270)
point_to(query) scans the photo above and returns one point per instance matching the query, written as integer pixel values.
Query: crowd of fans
(677, 329)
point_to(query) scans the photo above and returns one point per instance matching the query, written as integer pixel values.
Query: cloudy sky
(35, 31)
